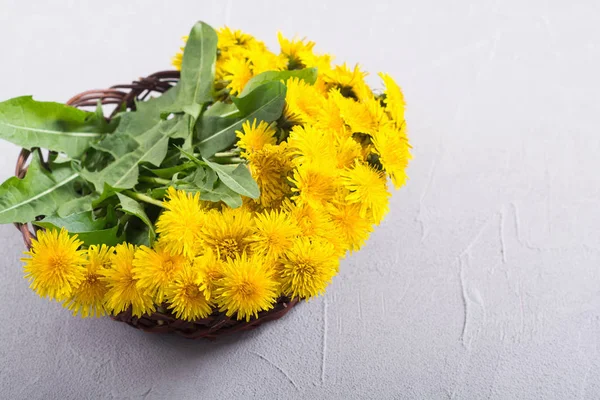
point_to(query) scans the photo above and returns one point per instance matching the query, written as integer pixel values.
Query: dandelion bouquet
(210, 198)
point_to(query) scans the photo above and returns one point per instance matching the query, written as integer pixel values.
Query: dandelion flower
(350, 83)
(391, 144)
(353, 228)
(355, 114)
(312, 145)
(314, 185)
(185, 297)
(237, 71)
(329, 116)
(302, 102)
(54, 266)
(274, 233)
(180, 224)
(270, 167)
(88, 298)
(253, 137)
(228, 232)
(263, 60)
(315, 223)
(394, 99)
(229, 38)
(307, 268)
(295, 50)
(210, 269)
(367, 188)
(348, 151)
(247, 287)
(123, 291)
(155, 268)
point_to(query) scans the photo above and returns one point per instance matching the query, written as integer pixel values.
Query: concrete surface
(484, 280)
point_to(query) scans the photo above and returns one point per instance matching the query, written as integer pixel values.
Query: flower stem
(231, 153)
(158, 181)
(229, 160)
(142, 197)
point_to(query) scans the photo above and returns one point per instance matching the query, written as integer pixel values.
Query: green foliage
(57, 127)
(309, 75)
(265, 103)
(108, 181)
(89, 229)
(40, 193)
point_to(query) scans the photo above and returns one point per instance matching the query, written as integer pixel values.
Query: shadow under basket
(161, 321)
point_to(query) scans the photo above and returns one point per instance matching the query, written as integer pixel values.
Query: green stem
(158, 181)
(229, 160)
(143, 197)
(231, 153)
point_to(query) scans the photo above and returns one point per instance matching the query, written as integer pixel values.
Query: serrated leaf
(132, 207)
(88, 229)
(135, 123)
(220, 109)
(167, 173)
(197, 70)
(205, 182)
(222, 193)
(123, 172)
(54, 126)
(138, 235)
(39, 193)
(77, 205)
(265, 103)
(308, 75)
(237, 178)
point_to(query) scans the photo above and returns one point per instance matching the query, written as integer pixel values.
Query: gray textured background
(483, 282)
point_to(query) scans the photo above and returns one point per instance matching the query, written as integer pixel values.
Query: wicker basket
(161, 321)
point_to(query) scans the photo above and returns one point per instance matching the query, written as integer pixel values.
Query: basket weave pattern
(161, 321)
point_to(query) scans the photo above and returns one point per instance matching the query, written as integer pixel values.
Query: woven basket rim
(161, 321)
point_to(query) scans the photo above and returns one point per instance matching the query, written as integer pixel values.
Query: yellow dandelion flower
(348, 151)
(185, 297)
(253, 137)
(263, 60)
(228, 232)
(210, 270)
(353, 228)
(329, 117)
(178, 58)
(155, 268)
(315, 223)
(309, 144)
(391, 144)
(307, 267)
(87, 299)
(311, 60)
(350, 83)
(274, 233)
(247, 287)
(180, 224)
(368, 188)
(394, 99)
(123, 291)
(295, 50)
(314, 185)
(237, 71)
(302, 102)
(54, 266)
(229, 38)
(270, 167)
(355, 114)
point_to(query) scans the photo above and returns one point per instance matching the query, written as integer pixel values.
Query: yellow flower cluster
(322, 170)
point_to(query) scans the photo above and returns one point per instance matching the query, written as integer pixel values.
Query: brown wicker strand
(161, 321)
